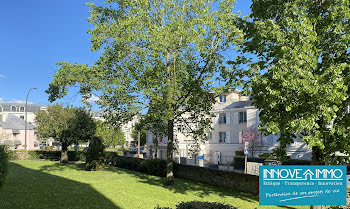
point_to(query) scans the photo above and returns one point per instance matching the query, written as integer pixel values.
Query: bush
(3, 165)
(155, 167)
(200, 205)
(95, 155)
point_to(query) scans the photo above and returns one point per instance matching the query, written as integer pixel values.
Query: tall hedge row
(53, 155)
(3, 165)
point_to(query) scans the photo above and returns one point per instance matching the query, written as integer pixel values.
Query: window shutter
(228, 139)
(235, 117)
(228, 118)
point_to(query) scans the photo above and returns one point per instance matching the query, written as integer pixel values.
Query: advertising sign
(253, 168)
(302, 185)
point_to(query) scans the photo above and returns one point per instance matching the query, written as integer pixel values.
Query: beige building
(233, 114)
(12, 125)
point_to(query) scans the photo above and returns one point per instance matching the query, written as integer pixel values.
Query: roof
(6, 107)
(239, 104)
(14, 122)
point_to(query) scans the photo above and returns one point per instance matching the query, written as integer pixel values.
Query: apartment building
(233, 114)
(12, 125)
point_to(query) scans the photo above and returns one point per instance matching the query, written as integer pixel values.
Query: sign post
(246, 152)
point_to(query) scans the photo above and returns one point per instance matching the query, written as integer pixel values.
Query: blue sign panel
(302, 185)
(200, 157)
(246, 152)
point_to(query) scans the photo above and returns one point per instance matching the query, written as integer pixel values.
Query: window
(222, 98)
(21, 109)
(210, 135)
(222, 137)
(13, 109)
(222, 118)
(22, 117)
(242, 117)
(0, 109)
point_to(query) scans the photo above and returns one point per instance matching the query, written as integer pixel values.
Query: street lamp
(25, 120)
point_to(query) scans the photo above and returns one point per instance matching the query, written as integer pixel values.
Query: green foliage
(295, 64)
(200, 205)
(48, 155)
(111, 136)
(139, 127)
(162, 56)
(3, 165)
(95, 155)
(67, 125)
(155, 167)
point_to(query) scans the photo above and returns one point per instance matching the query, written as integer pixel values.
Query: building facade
(12, 125)
(233, 114)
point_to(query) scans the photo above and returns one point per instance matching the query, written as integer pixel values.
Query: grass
(46, 184)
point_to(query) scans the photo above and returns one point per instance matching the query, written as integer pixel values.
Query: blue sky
(35, 35)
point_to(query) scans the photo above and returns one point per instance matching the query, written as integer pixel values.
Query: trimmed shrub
(95, 155)
(3, 165)
(155, 167)
(200, 205)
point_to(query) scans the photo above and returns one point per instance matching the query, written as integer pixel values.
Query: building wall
(216, 152)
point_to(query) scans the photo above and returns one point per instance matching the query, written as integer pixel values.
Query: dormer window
(13, 109)
(222, 98)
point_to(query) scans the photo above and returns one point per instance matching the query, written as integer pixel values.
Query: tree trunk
(316, 160)
(64, 153)
(169, 160)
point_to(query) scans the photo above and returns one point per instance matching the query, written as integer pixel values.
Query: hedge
(3, 165)
(155, 167)
(240, 160)
(200, 205)
(236, 181)
(52, 155)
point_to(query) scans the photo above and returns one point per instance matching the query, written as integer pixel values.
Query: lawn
(51, 185)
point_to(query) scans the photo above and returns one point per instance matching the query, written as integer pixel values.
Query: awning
(18, 142)
(15, 131)
(8, 142)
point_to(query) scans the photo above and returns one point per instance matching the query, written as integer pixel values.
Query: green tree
(95, 155)
(110, 135)
(295, 65)
(157, 55)
(67, 125)
(139, 127)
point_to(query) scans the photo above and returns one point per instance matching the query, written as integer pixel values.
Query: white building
(233, 114)
(12, 125)
(126, 128)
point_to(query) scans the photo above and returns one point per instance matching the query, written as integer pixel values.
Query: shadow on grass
(27, 188)
(181, 185)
